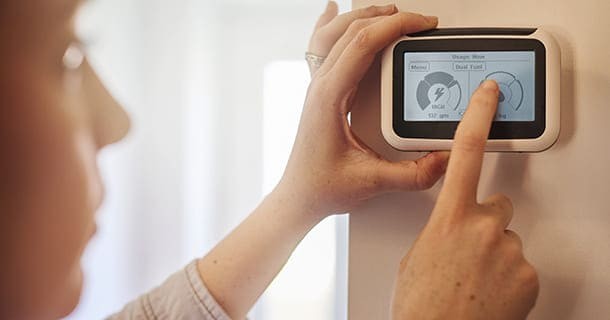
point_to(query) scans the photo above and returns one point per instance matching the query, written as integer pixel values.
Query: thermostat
(427, 80)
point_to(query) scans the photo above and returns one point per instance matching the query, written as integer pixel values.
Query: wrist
(297, 203)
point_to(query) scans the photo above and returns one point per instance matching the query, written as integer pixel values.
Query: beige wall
(561, 197)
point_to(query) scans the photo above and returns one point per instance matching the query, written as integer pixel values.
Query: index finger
(356, 59)
(464, 169)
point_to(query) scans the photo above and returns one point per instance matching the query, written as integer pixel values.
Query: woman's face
(55, 117)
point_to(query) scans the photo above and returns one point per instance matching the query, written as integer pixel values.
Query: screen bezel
(446, 129)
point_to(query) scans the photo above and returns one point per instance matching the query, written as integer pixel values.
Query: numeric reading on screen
(438, 85)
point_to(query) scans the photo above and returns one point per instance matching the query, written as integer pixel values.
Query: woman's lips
(97, 190)
(93, 231)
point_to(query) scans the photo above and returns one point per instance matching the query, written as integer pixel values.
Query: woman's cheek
(56, 193)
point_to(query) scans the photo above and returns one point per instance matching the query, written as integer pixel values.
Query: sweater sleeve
(182, 296)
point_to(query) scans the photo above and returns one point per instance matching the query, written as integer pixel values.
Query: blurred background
(215, 90)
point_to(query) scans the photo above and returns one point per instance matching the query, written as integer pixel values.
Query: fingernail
(490, 84)
(431, 19)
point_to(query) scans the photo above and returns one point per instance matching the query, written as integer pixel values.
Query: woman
(56, 117)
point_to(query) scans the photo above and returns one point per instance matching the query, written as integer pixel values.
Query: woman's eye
(74, 56)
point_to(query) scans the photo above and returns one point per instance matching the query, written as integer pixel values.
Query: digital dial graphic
(511, 89)
(439, 90)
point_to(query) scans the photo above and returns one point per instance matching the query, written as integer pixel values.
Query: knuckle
(362, 39)
(516, 239)
(514, 251)
(530, 278)
(356, 26)
(426, 183)
(502, 201)
(424, 179)
(368, 11)
(487, 229)
(409, 20)
(323, 36)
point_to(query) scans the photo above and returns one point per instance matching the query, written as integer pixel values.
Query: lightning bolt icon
(439, 93)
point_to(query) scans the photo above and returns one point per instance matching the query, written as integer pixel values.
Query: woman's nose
(110, 121)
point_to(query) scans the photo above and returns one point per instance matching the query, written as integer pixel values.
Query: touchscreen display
(438, 85)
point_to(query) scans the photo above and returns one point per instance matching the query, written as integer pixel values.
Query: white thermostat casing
(427, 79)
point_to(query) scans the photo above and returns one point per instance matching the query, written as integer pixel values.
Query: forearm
(242, 266)
(329, 166)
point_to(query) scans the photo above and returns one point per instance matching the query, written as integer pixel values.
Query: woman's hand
(465, 264)
(330, 170)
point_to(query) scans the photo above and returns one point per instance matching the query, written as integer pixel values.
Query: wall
(561, 202)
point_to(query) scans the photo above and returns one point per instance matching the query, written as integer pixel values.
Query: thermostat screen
(438, 85)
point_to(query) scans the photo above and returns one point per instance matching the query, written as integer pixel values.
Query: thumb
(411, 175)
